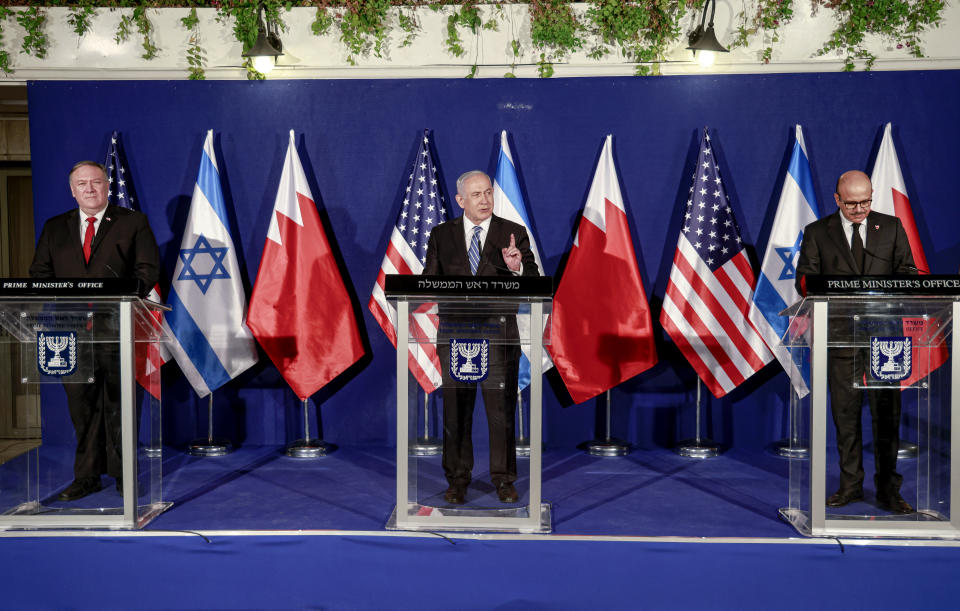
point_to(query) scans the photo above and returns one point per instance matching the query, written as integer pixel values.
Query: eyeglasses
(853, 205)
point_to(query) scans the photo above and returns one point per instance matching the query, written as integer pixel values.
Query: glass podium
(460, 335)
(56, 336)
(899, 331)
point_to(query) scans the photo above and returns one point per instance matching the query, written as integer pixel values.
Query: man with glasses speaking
(858, 241)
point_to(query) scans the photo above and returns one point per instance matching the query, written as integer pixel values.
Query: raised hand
(511, 255)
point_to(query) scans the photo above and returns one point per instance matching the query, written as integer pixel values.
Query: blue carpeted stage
(258, 530)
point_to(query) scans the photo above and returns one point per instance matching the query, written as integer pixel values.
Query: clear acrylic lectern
(900, 330)
(55, 333)
(451, 329)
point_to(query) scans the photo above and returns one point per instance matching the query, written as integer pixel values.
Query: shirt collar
(468, 226)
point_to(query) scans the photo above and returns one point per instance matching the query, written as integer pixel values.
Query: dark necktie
(857, 247)
(474, 252)
(88, 238)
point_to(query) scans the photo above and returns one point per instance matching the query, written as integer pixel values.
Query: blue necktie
(474, 252)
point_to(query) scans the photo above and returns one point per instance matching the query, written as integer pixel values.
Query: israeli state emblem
(469, 360)
(891, 358)
(57, 353)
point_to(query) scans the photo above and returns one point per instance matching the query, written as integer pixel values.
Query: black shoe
(80, 488)
(506, 492)
(845, 497)
(455, 495)
(894, 503)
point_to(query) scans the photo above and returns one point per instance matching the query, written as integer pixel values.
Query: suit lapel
(491, 245)
(72, 234)
(874, 228)
(106, 223)
(460, 259)
(839, 238)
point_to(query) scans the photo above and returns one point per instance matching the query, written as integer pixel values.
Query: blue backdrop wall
(357, 140)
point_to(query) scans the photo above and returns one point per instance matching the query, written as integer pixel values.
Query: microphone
(888, 260)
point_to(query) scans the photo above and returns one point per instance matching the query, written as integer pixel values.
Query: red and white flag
(422, 208)
(300, 310)
(600, 330)
(890, 197)
(711, 286)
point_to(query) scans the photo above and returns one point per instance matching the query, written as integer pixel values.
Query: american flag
(423, 207)
(121, 194)
(711, 285)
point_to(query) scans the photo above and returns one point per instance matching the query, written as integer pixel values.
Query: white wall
(97, 56)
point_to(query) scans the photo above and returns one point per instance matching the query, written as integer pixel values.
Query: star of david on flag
(211, 259)
(775, 286)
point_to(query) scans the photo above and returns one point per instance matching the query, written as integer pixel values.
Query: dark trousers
(95, 412)
(499, 397)
(847, 407)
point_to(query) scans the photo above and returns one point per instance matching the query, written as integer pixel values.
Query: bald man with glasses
(857, 241)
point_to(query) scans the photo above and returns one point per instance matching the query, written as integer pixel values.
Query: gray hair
(467, 176)
(81, 164)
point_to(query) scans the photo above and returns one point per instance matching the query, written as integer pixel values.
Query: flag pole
(793, 446)
(523, 442)
(307, 447)
(698, 447)
(607, 445)
(210, 445)
(426, 445)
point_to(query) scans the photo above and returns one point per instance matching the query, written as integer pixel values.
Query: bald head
(854, 195)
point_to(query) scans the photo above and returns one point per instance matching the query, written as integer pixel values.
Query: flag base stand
(787, 449)
(605, 447)
(210, 446)
(608, 445)
(907, 450)
(307, 447)
(426, 446)
(697, 448)
(523, 447)
(310, 448)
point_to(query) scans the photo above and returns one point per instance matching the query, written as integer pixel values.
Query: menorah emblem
(463, 366)
(890, 358)
(469, 352)
(57, 343)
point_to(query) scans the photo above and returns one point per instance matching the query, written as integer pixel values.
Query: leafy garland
(766, 16)
(900, 21)
(640, 30)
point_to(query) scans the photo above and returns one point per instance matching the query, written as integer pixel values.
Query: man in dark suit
(95, 240)
(857, 241)
(479, 243)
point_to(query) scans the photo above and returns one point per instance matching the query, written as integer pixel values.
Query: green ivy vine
(195, 52)
(901, 22)
(555, 31)
(640, 30)
(763, 16)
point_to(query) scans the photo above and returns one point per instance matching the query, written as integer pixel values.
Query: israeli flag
(213, 344)
(508, 203)
(775, 286)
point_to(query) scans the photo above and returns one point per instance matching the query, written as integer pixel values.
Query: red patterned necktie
(88, 238)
